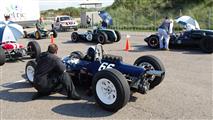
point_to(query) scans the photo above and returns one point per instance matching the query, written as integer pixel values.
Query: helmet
(7, 16)
(91, 53)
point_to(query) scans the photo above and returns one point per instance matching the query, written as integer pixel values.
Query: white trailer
(24, 12)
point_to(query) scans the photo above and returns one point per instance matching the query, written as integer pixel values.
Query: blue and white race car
(112, 81)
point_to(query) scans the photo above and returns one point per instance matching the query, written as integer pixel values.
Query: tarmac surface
(185, 93)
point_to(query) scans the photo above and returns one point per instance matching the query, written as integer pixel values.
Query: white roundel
(89, 36)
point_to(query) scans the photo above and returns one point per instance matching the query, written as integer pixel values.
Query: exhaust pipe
(155, 72)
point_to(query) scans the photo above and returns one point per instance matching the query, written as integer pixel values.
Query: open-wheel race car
(98, 35)
(190, 37)
(12, 50)
(112, 81)
(40, 34)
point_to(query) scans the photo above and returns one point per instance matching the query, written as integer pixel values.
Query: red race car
(13, 51)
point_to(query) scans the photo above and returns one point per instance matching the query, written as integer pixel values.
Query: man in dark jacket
(50, 75)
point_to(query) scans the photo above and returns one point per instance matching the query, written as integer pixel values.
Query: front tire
(74, 37)
(111, 89)
(206, 44)
(33, 49)
(150, 62)
(118, 36)
(2, 56)
(30, 70)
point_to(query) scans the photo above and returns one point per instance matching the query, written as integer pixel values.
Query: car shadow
(16, 92)
(187, 49)
(81, 41)
(66, 31)
(142, 48)
(85, 110)
(9, 93)
(13, 93)
(89, 108)
(181, 49)
(17, 60)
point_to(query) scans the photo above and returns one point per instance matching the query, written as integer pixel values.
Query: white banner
(20, 10)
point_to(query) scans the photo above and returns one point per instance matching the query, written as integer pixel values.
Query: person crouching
(51, 76)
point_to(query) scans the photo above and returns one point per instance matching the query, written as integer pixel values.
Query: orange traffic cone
(127, 46)
(51, 39)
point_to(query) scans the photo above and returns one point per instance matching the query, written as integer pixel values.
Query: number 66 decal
(105, 66)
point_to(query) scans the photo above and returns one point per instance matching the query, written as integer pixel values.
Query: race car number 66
(105, 66)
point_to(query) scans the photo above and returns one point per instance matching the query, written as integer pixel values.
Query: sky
(55, 4)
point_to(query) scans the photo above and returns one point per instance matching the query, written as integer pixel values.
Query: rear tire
(30, 70)
(153, 41)
(102, 37)
(206, 44)
(151, 62)
(118, 36)
(2, 56)
(112, 82)
(33, 49)
(74, 37)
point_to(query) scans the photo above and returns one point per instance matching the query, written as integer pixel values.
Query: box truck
(24, 12)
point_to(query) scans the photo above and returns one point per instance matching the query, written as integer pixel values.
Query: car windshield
(64, 18)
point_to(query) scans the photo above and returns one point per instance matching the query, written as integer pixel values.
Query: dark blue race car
(111, 80)
(192, 36)
(200, 38)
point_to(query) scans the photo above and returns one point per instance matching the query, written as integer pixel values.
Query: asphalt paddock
(185, 93)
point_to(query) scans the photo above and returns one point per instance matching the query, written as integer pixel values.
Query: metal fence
(204, 22)
(137, 21)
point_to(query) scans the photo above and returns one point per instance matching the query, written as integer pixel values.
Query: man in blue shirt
(164, 31)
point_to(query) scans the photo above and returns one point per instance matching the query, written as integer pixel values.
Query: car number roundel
(105, 65)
